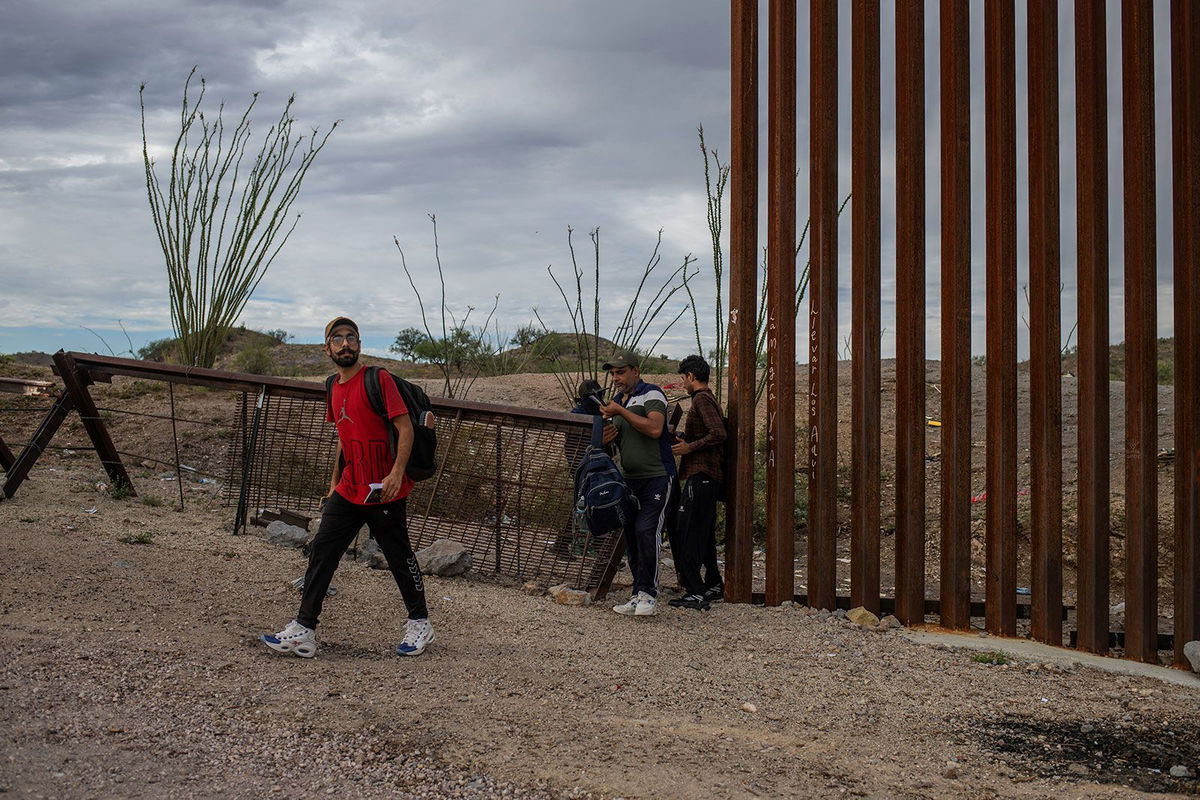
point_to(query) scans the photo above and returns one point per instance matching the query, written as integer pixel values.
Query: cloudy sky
(508, 120)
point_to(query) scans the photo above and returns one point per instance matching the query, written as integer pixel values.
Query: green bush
(256, 359)
(994, 657)
(158, 350)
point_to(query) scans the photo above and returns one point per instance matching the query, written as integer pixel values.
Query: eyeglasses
(349, 338)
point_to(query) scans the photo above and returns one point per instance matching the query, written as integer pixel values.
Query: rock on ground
(1192, 651)
(564, 595)
(444, 557)
(370, 554)
(860, 616)
(284, 535)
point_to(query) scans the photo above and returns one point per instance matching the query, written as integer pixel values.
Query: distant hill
(248, 350)
(1116, 362)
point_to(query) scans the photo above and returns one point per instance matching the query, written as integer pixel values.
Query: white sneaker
(418, 633)
(629, 607)
(295, 638)
(647, 606)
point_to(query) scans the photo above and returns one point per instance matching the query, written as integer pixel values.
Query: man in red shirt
(368, 486)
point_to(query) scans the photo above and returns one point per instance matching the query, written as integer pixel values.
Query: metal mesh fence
(504, 486)
(293, 449)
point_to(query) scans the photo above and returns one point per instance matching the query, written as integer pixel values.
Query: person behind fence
(639, 414)
(588, 397)
(368, 486)
(701, 451)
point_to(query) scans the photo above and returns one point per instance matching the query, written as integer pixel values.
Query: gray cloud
(510, 121)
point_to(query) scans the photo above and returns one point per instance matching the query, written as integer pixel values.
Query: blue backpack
(603, 502)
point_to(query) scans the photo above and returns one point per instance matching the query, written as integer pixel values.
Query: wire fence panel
(504, 487)
(293, 450)
(505, 490)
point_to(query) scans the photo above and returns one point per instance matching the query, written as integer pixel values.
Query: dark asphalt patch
(1138, 753)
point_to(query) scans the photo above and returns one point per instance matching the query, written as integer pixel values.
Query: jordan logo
(344, 416)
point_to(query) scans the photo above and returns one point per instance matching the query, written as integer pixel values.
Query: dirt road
(132, 670)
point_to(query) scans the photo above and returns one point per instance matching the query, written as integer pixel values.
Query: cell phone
(376, 493)
(676, 414)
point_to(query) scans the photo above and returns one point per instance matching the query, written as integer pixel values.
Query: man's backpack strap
(329, 406)
(598, 432)
(372, 383)
(375, 391)
(329, 392)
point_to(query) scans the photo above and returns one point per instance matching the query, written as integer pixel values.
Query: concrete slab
(1028, 650)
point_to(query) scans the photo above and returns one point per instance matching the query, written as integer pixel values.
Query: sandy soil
(131, 670)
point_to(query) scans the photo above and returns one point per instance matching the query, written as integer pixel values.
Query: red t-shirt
(366, 443)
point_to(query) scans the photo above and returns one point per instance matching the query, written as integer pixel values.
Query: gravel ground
(132, 670)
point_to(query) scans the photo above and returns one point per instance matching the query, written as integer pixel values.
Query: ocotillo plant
(461, 352)
(715, 193)
(221, 222)
(638, 318)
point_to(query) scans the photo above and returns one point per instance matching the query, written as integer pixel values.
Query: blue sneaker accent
(418, 633)
(294, 638)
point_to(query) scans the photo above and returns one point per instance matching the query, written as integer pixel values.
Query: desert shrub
(994, 657)
(256, 359)
(158, 350)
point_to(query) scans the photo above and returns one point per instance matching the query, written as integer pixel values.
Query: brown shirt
(704, 431)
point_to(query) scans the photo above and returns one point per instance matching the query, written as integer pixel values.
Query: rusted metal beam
(75, 381)
(1141, 345)
(1091, 132)
(781, 303)
(1001, 200)
(106, 366)
(865, 404)
(910, 311)
(956, 315)
(743, 296)
(1185, 115)
(1045, 344)
(15, 475)
(822, 352)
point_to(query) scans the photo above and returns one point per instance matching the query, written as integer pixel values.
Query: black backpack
(422, 462)
(603, 502)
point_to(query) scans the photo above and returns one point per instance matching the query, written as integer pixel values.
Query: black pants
(340, 523)
(643, 533)
(695, 534)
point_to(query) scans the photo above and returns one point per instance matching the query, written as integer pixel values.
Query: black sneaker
(695, 601)
(715, 594)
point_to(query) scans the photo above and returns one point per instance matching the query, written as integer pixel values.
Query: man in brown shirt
(701, 449)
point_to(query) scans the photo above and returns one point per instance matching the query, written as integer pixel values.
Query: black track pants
(695, 534)
(340, 523)
(643, 533)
